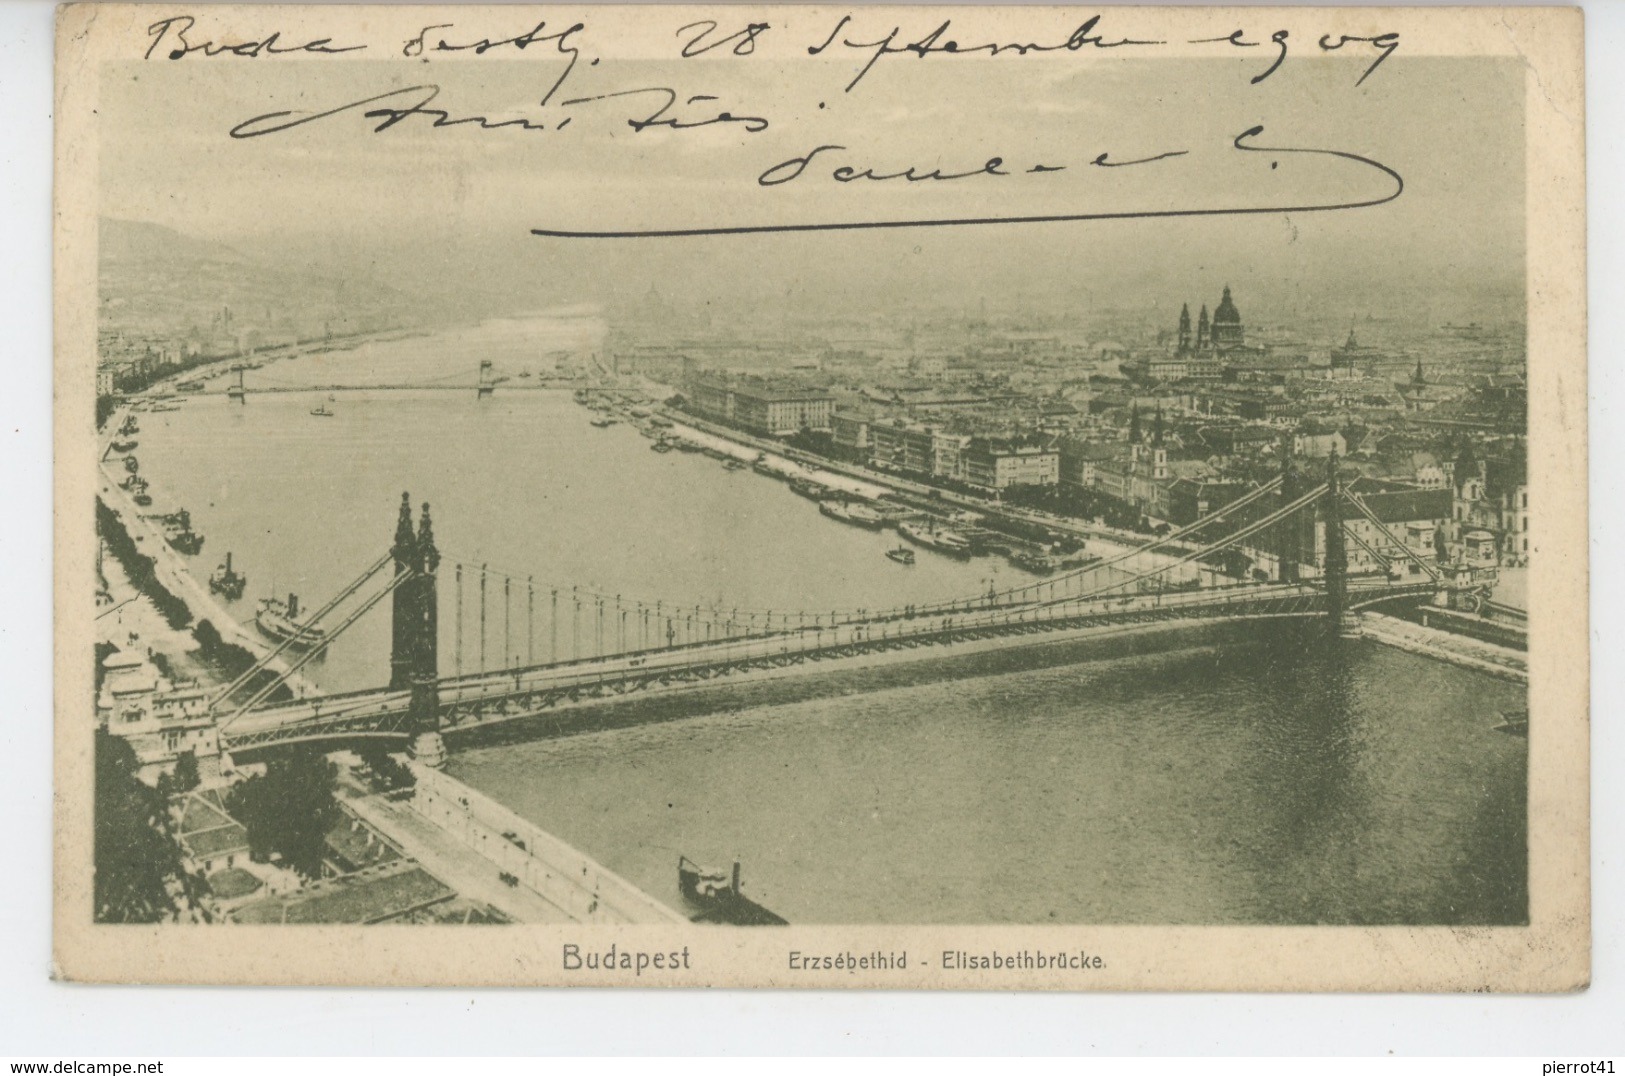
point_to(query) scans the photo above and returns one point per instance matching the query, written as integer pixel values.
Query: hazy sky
(451, 209)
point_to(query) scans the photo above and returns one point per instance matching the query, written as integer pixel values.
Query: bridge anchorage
(591, 645)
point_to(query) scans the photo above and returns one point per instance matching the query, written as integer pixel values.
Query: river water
(1260, 779)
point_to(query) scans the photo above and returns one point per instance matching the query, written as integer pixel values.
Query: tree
(387, 774)
(185, 778)
(289, 810)
(134, 856)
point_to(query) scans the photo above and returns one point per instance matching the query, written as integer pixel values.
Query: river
(1260, 780)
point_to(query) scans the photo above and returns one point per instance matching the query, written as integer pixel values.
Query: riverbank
(180, 596)
(1465, 651)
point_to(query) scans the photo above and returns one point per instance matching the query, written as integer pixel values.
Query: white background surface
(39, 1018)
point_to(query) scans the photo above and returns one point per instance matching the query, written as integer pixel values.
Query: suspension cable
(261, 695)
(310, 621)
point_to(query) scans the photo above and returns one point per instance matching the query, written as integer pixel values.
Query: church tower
(1227, 329)
(1201, 330)
(1184, 327)
(1159, 452)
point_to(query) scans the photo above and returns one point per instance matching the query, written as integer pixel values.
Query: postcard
(1044, 498)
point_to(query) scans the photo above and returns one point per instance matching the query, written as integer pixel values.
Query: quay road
(481, 698)
(447, 858)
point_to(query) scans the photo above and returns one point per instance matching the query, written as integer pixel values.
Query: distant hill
(124, 241)
(159, 284)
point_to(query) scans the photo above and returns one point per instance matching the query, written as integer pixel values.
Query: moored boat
(902, 554)
(1037, 563)
(1515, 722)
(720, 897)
(125, 446)
(178, 532)
(853, 512)
(322, 411)
(928, 534)
(806, 487)
(227, 581)
(280, 620)
(604, 423)
(662, 445)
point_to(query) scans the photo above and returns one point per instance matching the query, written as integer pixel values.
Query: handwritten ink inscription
(568, 60)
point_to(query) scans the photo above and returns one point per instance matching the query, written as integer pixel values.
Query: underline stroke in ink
(994, 167)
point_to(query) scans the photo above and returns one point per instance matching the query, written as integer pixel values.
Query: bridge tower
(1287, 545)
(405, 552)
(424, 709)
(1337, 559)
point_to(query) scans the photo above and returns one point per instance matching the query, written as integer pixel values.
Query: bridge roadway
(479, 698)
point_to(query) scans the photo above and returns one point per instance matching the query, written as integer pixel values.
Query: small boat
(661, 445)
(902, 554)
(125, 446)
(132, 464)
(190, 386)
(178, 532)
(322, 411)
(1514, 722)
(806, 487)
(926, 533)
(227, 581)
(688, 446)
(604, 423)
(280, 620)
(134, 483)
(130, 427)
(142, 499)
(734, 465)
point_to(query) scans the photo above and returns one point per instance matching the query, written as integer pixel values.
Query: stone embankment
(1470, 653)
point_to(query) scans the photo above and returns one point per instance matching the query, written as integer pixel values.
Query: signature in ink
(792, 169)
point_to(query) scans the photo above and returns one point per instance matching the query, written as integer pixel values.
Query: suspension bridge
(597, 646)
(482, 381)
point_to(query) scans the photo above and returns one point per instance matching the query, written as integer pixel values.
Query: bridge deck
(516, 691)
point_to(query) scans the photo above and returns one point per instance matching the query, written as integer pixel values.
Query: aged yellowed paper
(1036, 498)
